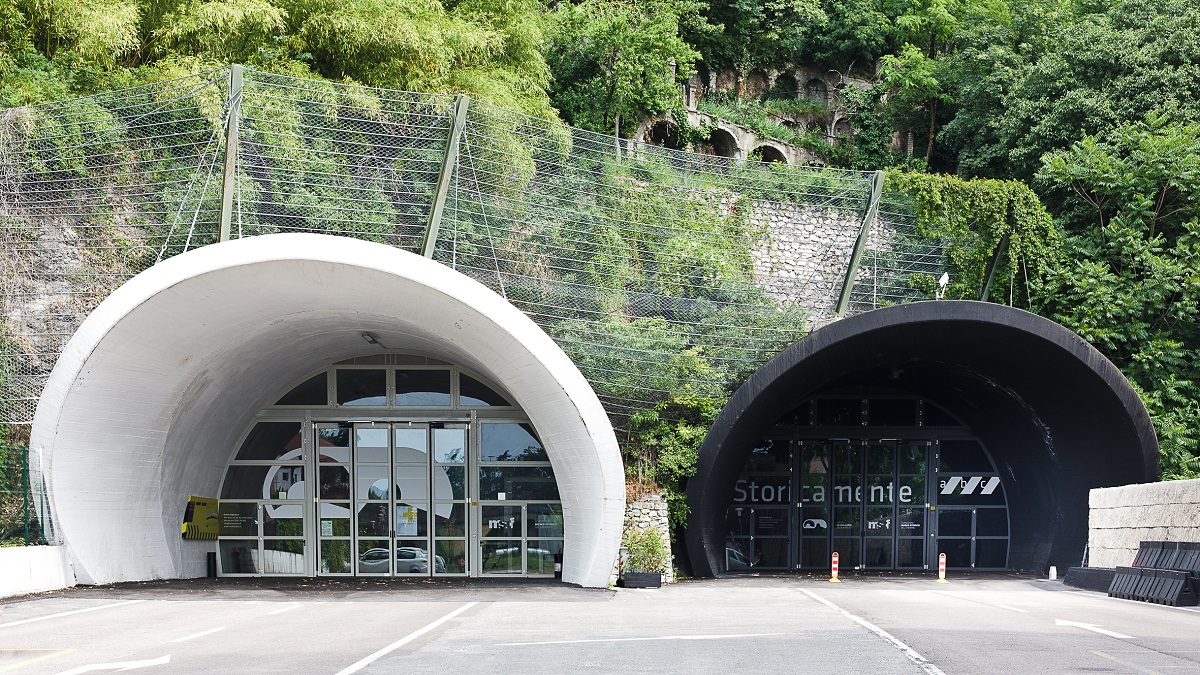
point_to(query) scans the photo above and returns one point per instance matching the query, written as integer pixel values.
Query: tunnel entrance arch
(1054, 415)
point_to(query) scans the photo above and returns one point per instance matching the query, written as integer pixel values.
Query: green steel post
(443, 185)
(861, 243)
(25, 492)
(231, 149)
(990, 276)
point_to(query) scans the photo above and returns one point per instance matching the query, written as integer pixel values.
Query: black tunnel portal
(965, 428)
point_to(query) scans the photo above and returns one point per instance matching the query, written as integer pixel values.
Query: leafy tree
(1131, 200)
(1093, 71)
(612, 62)
(757, 33)
(854, 34)
(664, 445)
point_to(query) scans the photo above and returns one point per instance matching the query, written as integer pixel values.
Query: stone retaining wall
(1121, 517)
(643, 513)
(803, 257)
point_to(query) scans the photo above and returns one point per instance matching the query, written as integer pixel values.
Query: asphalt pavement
(768, 624)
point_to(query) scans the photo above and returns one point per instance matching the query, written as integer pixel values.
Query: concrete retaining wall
(1121, 517)
(29, 569)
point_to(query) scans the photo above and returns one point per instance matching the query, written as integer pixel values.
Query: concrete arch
(725, 143)
(159, 382)
(769, 152)
(1057, 416)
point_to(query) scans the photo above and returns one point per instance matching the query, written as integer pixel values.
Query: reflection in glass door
(334, 539)
(865, 500)
(386, 505)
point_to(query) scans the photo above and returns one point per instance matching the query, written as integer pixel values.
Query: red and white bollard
(834, 577)
(942, 569)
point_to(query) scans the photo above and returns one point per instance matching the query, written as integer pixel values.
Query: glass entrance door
(866, 500)
(392, 499)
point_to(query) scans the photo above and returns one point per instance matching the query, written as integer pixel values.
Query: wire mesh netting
(661, 273)
(20, 498)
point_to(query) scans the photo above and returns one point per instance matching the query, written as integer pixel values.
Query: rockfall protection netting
(661, 273)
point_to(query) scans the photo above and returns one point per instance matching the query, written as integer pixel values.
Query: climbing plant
(972, 217)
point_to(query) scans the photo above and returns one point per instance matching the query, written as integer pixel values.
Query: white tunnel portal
(158, 385)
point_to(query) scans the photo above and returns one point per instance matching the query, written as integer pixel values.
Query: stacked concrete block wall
(644, 513)
(1121, 517)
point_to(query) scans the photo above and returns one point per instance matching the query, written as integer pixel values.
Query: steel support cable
(37, 150)
(598, 197)
(352, 131)
(167, 240)
(483, 213)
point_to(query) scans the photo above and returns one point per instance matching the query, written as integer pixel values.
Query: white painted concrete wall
(1120, 517)
(30, 569)
(152, 392)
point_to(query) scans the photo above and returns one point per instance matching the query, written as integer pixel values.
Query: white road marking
(200, 634)
(298, 605)
(1127, 664)
(911, 653)
(363, 663)
(981, 602)
(124, 665)
(1097, 595)
(61, 614)
(1012, 609)
(1092, 627)
(636, 639)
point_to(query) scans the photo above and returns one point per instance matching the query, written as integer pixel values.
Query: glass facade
(419, 470)
(870, 479)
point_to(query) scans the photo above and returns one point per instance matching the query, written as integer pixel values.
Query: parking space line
(43, 657)
(980, 602)
(1096, 595)
(363, 663)
(636, 639)
(922, 662)
(74, 611)
(297, 605)
(198, 635)
(1012, 609)
(1127, 664)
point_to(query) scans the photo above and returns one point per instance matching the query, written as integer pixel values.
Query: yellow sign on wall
(200, 518)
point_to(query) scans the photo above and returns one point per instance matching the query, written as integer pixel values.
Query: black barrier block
(1146, 551)
(1162, 587)
(1190, 558)
(1124, 582)
(1090, 578)
(1145, 587)
(1171, 558)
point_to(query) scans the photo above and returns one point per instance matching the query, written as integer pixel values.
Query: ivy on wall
(972, 218)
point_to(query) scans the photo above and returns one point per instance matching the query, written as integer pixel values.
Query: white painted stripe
(636, 639)
(1093, 628)
(922, 662)
(74, 611)
(969, 488)
(359, 665)
(200, 634)
(1013, 609)
(298, 605)
(122, 665)
(991, 485)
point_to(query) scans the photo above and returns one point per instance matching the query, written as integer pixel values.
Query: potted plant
(644, 560)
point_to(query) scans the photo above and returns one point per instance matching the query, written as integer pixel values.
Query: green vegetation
(645, 551)
(1071, 127)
